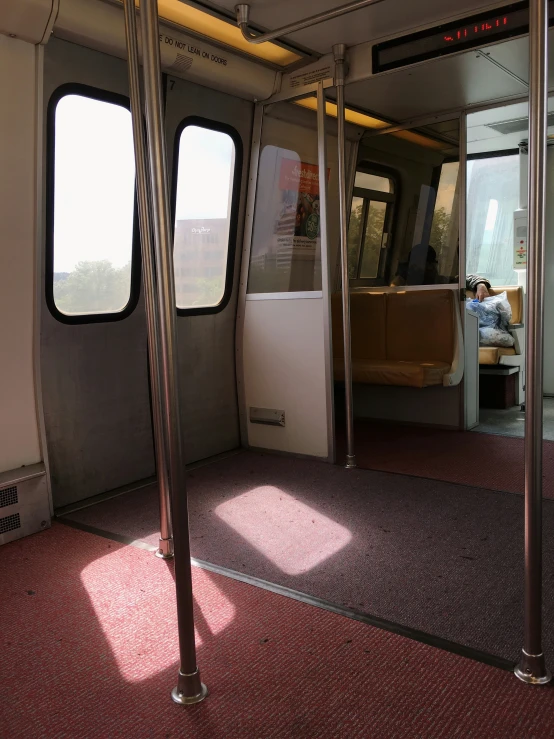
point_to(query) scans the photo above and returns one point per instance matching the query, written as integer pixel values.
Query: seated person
(422, 268)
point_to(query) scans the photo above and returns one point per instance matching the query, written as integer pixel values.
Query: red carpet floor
(466, 457)
(88, 650)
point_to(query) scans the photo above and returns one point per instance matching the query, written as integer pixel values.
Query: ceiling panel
(514, 55)
(482, 138)
(391, 17)
(434, 87)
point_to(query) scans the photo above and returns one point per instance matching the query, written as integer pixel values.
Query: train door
(93, 345)
(93, 348)
(205, 131)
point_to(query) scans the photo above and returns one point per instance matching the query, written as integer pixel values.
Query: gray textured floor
(442, 558)
(511, 422)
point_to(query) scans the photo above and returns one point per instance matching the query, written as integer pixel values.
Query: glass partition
(404, 221)
(286, 245)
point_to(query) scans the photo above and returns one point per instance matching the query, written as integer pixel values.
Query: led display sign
(450, 38)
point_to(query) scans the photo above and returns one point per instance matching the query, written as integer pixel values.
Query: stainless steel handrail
(243, 18)
(339, 51)
(165, 549)
(189, 687)
(532, 668)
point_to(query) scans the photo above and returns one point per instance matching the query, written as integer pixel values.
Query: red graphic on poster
(299, 176)
(299, 213)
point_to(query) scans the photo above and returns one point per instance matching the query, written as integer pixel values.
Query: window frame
(211, 125)
(105, 96)
(391, 199)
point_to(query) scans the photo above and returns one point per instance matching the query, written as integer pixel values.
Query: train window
(206, 179)
(91, 273)
(492, 198)
(369, 181)
(371, 216)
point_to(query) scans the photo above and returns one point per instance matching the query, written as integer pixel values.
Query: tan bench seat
(394, 372)
(492, 354)
(403, 338)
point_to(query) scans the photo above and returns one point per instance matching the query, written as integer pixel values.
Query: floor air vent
(8, 496)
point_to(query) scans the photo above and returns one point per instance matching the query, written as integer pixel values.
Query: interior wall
(19, 437)
(284, 353)
(284, 369)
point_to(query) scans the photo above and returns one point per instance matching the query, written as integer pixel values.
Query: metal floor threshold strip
(380, 623)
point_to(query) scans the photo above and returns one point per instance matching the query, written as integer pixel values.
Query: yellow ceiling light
(352, 116)
(420, 140)
(367, 121)
(219, 30)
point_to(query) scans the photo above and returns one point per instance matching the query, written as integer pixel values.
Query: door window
(207, 188)
(92, 253)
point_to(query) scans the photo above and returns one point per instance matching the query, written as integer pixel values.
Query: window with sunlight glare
(94, 185)
(203, 205)
(492, 198)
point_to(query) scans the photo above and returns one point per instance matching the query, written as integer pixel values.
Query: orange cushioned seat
(401, 338)
(394, 372)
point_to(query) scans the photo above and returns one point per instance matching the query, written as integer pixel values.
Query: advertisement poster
(297, 226)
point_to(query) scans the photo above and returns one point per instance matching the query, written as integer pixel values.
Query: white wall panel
(101, 26)
(284, 368)
(27, 19)
(19, 439)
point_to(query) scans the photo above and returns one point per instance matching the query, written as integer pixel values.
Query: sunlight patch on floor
(295, 537)
(139, 621)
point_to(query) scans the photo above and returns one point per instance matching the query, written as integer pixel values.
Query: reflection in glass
(202, 216)
(286, 250)
(373, 237)
(94, 183)
(410, 234)
(445, 225)
(355, 229)
(433, 258)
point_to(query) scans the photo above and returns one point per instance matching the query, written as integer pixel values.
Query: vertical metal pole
(165, 549)
(532, 668)
(325, 268)
(189, 688)
(339, 52)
